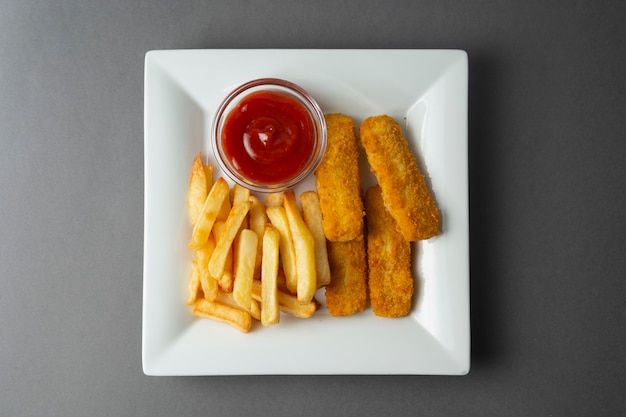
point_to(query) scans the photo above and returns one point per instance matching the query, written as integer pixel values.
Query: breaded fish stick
(404, 188)
(347, 292)
(338, 182)
(389, 259)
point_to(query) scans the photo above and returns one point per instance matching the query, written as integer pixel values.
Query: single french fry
(278, 218)
(208, 283)
(194, 283)
(240, 195)
(310, 202)
(226, 279)
(208, 214)
(224, 210)
(269, 298)
(258, 220)
(245, 258)
(198, 188)
(347, 292)
(209, 170)
(274, 199)
(228, 299)
(226, 238)
(303, 311)
(304, 245)
(200, 183)
(338, 182)
(281, 283)
(287, 303)
(390, 285)
(237, 318)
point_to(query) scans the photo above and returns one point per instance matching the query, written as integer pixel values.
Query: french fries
(208, 214)
(208, 282)
(278, 218)
(237, 318)
(226, 280)
(245, 259)
(251, 260)
(241, 195)
(194, 283)
(200, 183)
(245, 262)
(304, 246)
(258, 220)
(224, 209)
(312, 214)
(274, 199)
(226, 238)
(269, 273)
(228, 299)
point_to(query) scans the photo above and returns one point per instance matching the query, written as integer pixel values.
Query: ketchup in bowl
(269, 137)
(269, 134)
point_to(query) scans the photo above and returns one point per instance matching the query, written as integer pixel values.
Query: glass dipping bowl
(231, 105)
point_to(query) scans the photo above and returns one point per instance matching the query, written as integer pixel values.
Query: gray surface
(547, 180)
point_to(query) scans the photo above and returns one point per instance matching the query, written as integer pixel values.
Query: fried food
(258, 219)
(224, 241)
(278, 219)
(208, 283)
(241, 194)
(269, 274)
(287, 302)
(274, 199)
(193, 286)
(228, 298)
(389, 260)
(347, 292)
(338, 182)
(208, 214)
(226, 280)
(237, 318)
(245, 259)
(323, 244)
(310, 202)
(200, 182)
(404, 188)
(304, 246)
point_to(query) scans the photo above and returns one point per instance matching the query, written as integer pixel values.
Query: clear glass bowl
(231, 102)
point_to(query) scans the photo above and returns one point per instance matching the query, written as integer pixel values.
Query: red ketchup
(269, 137)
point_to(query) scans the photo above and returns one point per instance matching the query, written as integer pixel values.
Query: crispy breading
(347, 292)
(404, 188)
(390, 280)
(338, 182)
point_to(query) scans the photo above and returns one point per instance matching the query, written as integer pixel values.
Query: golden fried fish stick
(404, 188)
(389, 259)
(338, 182)
(347, 292)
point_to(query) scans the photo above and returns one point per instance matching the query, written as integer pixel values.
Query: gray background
(547, 181)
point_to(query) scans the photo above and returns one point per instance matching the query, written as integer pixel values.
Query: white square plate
(426, 92)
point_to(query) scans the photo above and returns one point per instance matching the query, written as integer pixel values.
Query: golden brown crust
(390, 280)
(347, 292)
(198, 188)
(338, 181)
(404, 188)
